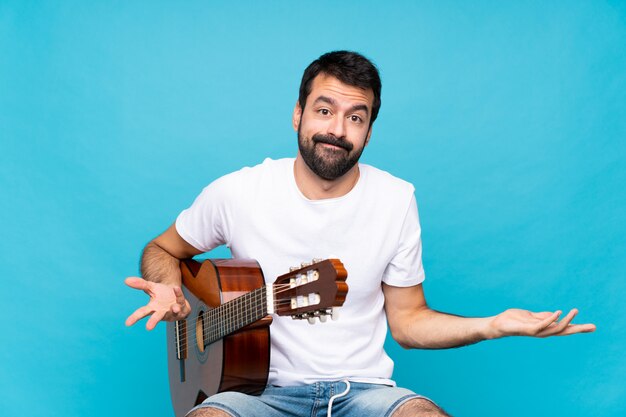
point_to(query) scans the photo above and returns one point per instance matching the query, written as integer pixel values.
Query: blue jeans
(355, 399)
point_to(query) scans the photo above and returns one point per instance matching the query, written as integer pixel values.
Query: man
(325, 204)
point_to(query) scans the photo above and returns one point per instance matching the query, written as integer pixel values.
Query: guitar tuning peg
(293, 268)
(316, 260)
(323, 318)
(304, 264)
(335, 314)
(311, 319)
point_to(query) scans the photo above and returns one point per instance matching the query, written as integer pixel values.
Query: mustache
(332, 140)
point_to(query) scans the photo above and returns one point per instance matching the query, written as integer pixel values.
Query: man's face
(334, 126)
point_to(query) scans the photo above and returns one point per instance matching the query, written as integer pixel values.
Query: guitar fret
(241, 310)
(246, 310)
(235, 314)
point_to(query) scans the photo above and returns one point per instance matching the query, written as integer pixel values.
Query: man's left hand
(516, 322)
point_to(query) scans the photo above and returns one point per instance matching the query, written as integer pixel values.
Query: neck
(314, 187)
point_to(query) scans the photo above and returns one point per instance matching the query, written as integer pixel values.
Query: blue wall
(509, 118)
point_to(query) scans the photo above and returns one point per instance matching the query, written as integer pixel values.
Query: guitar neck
(236, 314)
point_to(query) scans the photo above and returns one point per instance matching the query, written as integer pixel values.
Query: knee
(208, 412)
(419, 407)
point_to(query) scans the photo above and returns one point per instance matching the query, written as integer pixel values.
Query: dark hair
(348, 67)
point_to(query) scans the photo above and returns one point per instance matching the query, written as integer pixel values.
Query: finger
(140, 313)
(177, 312)
(154, 319)
(567, 319)
(561, 326)
(137, 283)
(182, 308)
(577, 328)
(545, 323)
(180, 297)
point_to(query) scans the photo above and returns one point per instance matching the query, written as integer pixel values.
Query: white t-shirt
(374, 230)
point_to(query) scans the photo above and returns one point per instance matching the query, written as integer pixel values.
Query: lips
(331, 146)
(335, 143)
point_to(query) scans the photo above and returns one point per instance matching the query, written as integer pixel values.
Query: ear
(297, 116)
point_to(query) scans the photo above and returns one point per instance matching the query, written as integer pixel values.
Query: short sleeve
(205, 225)
(405, 268)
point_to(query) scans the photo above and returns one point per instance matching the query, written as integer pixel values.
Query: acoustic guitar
(224, 343)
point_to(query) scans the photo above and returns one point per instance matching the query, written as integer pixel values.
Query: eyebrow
(332, 102)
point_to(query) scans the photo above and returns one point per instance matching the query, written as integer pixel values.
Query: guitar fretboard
(234, 315)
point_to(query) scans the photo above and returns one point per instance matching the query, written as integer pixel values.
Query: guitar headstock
(314, 289)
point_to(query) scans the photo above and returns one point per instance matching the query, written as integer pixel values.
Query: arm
(161, 279)
(414, 325)
(161, 257)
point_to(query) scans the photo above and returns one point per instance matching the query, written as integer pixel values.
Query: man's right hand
(167, 302)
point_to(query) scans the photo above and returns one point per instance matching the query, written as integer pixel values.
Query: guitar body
(237, 362)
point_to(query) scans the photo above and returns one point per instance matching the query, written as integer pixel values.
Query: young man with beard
(325, 204)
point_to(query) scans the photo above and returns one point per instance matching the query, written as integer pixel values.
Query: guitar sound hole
(200, 331)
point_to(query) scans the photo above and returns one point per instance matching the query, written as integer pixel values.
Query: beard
(328, 163)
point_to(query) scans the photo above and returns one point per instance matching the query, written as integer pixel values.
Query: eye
(324, 112)
(356, 119)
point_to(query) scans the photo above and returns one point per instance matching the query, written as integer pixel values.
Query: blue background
(509, 118)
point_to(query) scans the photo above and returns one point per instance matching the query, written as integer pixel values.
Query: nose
(337, 127)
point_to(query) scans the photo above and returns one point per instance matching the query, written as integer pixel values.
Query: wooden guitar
(224, 344)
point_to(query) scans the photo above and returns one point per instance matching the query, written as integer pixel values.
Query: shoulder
(385, 182)
(247, 181)
(250, 175)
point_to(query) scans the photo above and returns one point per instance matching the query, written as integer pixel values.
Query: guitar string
(232, 302)
(278, 289)
(237, 315)
(229, 304)
(218, 330)
(239, 303)
(226, 309)
(240, 315)
(213, 333)
(222, 321)
(210, 334)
